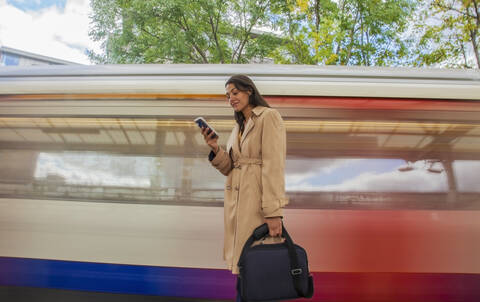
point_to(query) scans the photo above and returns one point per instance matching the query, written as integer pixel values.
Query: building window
(9, 60)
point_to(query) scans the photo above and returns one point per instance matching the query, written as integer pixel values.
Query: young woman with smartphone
(254, 163)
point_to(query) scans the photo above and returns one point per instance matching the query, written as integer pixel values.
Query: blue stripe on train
(219, 284)
(118, 278)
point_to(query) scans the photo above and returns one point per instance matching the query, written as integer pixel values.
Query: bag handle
(295, 269)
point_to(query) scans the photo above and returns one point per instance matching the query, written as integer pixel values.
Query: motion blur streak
(105, 185)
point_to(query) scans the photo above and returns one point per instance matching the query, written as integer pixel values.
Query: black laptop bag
(273, 271)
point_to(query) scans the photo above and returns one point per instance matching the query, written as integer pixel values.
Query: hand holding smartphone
(202, 123)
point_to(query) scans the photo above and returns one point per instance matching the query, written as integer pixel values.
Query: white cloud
(395, 181)
(49, 31)
(417, 180)
(301, 170)
(95, 169)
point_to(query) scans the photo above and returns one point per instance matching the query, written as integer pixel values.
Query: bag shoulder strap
(295, 268)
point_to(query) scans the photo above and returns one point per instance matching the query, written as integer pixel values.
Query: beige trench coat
(255, 185)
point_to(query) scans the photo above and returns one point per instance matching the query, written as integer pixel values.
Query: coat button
(236, 188)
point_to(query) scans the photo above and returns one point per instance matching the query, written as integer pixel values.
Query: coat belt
(247, 161)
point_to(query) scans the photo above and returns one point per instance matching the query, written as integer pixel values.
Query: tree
(450, 34)
(181, 31)
(348, 32)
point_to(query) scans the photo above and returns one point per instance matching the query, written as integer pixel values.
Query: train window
(382, 164)
(106, 159)
(128, 178)
(363, 175)
(330, 163)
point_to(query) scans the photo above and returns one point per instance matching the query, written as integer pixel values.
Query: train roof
(297, 80)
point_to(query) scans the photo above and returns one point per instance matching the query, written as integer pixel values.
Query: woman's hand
(211, 142)
(274, 226)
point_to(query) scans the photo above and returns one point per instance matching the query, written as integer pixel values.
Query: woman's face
(236, 98)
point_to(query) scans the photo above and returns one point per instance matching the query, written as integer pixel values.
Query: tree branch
(248, 32)
(473, 35)
(466, 14)
(317, 28)
(352, 36)
(215, 36)
(475, 5)
(239, 48)
(186, 29)
(149, 33)
(339, 44)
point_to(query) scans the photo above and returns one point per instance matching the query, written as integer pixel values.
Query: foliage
(320, 32)
(181, 31)
(344, 32)
(450, 34)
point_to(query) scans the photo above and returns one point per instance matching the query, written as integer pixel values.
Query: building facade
(15, 57)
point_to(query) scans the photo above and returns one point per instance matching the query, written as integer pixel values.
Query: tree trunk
(215, 36)
(317, 28)
(352, 37)
(475, 32)
(473, 35)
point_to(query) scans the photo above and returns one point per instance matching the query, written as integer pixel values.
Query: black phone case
(202, 124)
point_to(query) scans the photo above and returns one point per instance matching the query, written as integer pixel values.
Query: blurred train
(105, 184)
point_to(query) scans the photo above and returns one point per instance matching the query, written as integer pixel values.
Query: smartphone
(201, 122)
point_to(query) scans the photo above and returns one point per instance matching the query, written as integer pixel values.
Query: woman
(254, 163)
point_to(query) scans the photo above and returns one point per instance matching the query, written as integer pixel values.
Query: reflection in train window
(106, 159)
(383, 164)
(467, 173)
(363, 175)
(91, 175)
(330, 163)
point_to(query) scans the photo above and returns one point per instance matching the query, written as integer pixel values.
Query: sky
(54, 28)
(310, 175)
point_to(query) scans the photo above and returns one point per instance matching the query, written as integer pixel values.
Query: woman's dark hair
(244, 83)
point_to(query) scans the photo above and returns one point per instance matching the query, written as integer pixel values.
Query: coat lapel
(248, 127)
(251, 122)
(233, 138)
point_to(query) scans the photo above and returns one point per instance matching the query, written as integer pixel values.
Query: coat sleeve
(273, 164)
(221, 161)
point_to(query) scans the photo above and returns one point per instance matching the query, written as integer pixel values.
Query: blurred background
(106, 192)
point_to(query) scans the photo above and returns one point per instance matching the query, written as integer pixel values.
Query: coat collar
(257, 111)
(233, 139)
